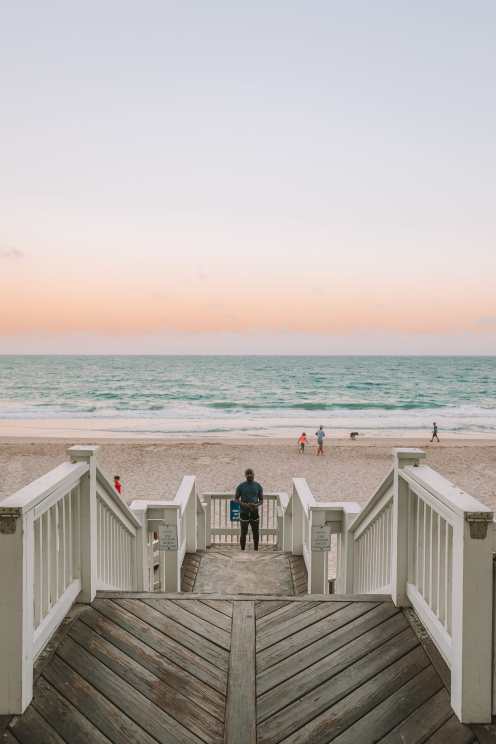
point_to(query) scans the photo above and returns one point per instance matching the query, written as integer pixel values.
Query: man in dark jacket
(250, 495)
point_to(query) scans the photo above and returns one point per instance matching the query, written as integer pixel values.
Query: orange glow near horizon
(60, 308)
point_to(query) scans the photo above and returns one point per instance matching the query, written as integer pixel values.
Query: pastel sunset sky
(263, 177)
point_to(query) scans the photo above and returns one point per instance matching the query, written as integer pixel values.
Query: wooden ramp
(187, 669)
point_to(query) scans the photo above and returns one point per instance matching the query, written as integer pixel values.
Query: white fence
(185, 517)
(61, 537)
(220, 529)
(427, 543)
(303, 516)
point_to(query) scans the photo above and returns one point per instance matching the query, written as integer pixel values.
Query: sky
(227, 177)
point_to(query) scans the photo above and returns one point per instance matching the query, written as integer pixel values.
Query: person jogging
(434, 432)
(250, 495)
(302, 440)
(320, 434)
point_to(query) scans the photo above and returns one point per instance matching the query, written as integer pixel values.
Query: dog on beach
(353, 434)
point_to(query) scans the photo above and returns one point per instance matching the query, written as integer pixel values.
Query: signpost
(167, 537)
(321, 537)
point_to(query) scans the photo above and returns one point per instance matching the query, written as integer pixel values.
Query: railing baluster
(61, 556)
(441, 567)
(449, 564)
(38, 572)
(434, 562)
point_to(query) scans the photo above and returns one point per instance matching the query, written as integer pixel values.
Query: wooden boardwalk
(187, 669)
(225, 569)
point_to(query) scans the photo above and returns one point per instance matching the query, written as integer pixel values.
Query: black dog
(353, 434)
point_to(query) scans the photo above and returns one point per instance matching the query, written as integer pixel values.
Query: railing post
(16, 610)
(142, 553)
(318, 579)
(472, 602)
(191, 526)
(88, 522)
(201, 524)
(287, 528)
(346, 552)
(208, 518)
(399, 545)
(170, 566)
(297, 525)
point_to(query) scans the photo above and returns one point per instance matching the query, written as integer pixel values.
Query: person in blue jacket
(250, 495)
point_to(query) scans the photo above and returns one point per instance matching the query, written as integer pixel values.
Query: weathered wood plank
(201, 627)
(203, 647)
(64, 717)
(290, 610)
(217, 604)
(173, 703)
(262, 609)
(288, 646)
(335, 719)
(253, 597)
(214, 617)
(180, 679)
(31, 728)
(356, 623)
(106, 716)
(452, 732)
(394, 709)
(165, 646)
(286, 627)
(146, 714)
(241, 705)
(375, 665)
(299, 684)
(423, 722)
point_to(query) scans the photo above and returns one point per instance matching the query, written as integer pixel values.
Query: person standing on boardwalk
(250, 495)
(434, 432)
(320, 434)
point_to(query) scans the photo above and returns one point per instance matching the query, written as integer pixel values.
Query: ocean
(251, 396)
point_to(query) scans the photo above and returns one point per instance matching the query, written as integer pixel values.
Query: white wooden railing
(117, 528)
(220, 529)
(62, 537)
(303, 517)
(427, 543)
(185, 515)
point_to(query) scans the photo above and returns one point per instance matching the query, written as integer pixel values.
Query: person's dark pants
(245, 521)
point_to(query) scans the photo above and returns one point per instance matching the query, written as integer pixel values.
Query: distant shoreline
(86, 430)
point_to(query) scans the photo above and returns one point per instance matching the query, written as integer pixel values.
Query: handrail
(222, 530)
(122, 507)
(428, 543)
(186, 514)
(63, 477)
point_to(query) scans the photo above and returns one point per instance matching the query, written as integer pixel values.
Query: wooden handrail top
(64, 477)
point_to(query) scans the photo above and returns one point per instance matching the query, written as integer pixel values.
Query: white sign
(321, 537)
(167, 537)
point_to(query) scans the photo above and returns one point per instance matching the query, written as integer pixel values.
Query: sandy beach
(348, 471)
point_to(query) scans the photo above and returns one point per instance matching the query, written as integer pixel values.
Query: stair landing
(200, 668)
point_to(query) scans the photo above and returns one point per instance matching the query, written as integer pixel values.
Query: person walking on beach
(434, 432)
(117, 483)
(250, 495)
(320, 434)
(302, 440)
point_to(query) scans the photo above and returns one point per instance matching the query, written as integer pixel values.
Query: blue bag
(234, 511)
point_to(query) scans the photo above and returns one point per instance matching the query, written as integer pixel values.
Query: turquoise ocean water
(278, 396)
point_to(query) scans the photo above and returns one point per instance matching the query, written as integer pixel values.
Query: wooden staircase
(193, 668)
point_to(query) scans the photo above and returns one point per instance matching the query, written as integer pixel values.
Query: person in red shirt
(302, 440)
(117, 483)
